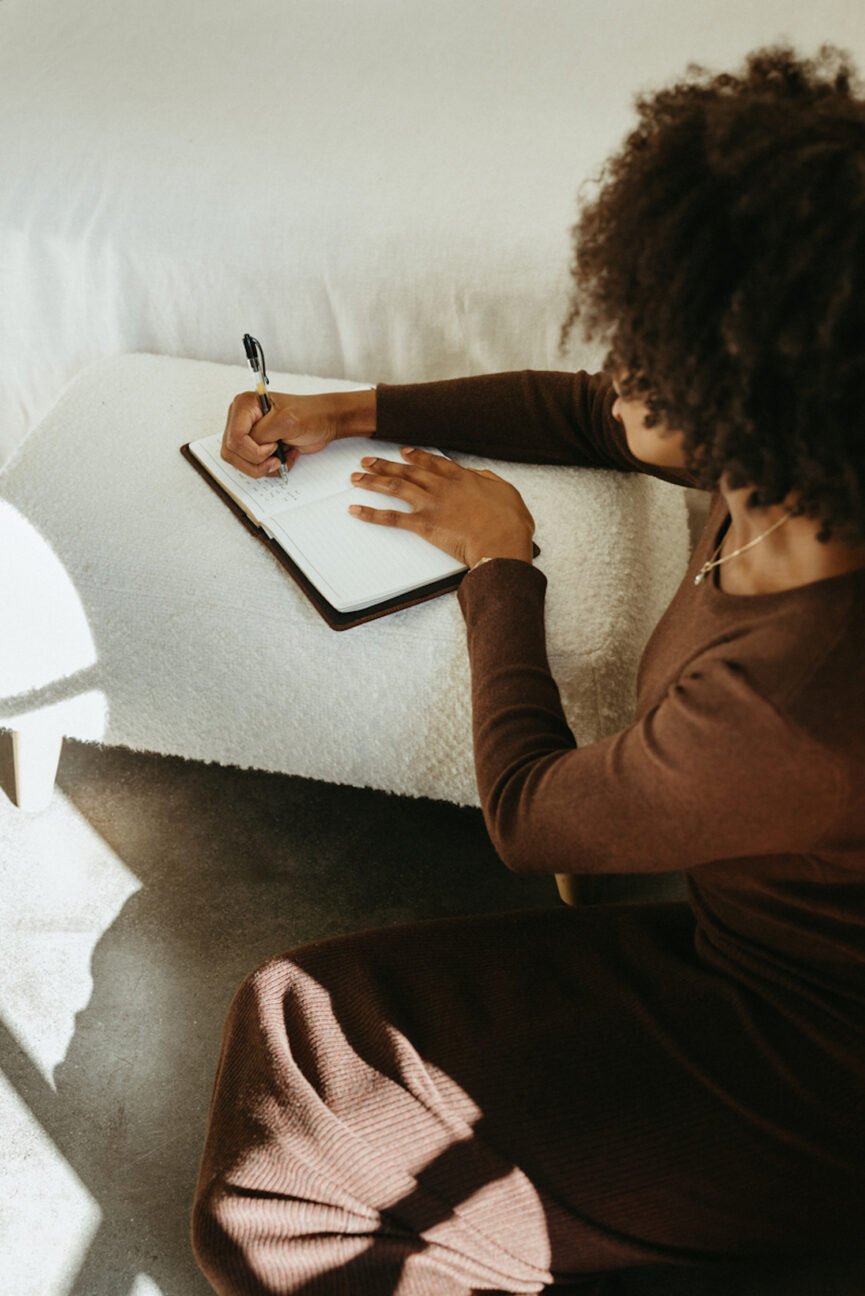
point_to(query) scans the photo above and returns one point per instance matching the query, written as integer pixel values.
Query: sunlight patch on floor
(144, 1286)
(47, 1217)
(61, 888)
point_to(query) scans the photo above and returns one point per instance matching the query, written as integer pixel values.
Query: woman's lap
(499, 1102)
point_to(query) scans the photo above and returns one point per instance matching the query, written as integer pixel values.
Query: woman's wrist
(355, 413)
(486, 553)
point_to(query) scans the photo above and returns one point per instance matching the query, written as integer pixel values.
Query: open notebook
(357, 569)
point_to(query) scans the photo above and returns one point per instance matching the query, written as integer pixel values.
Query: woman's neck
(790, 556)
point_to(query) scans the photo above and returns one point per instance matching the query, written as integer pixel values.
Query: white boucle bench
(138, 612)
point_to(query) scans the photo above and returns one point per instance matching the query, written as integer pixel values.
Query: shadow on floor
(235, 866)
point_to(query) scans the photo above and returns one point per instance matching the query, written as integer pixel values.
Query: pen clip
(255, 355)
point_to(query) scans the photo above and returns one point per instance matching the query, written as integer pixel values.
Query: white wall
(380, 189)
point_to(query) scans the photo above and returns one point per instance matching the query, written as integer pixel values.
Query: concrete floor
(129, 911)
(132, 908)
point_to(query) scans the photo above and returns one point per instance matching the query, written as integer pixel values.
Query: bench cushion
(147, 617)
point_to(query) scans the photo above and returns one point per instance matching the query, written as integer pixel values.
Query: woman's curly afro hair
(722, 263)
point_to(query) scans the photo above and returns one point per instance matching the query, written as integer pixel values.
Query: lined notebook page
(353, 563)
(313, 476)
(356, 563)
(256, 496)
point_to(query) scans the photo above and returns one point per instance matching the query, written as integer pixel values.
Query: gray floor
(160, 883)
(233, 866)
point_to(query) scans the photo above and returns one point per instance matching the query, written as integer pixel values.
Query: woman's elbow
(512, 836)
(521, 804)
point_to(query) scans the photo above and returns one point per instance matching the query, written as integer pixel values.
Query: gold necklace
(714, 561)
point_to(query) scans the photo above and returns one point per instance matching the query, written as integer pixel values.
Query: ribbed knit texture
(519, 1101)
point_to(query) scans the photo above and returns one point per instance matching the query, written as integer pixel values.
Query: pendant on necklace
(698, 579)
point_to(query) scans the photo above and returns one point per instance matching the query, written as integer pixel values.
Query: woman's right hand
(303, 423)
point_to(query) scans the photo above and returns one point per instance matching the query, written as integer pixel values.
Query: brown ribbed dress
(515, 1101)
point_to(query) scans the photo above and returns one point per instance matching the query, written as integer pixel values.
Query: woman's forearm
(526, 416)
(356, 413)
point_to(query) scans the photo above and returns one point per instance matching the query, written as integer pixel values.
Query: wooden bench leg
(569, 888)
(36, 753)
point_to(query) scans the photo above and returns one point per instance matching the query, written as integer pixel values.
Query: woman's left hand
(470, 513)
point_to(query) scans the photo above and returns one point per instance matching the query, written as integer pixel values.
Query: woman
(515, 1101)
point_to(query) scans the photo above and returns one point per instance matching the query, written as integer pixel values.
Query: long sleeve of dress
(530, 416)
(712, 772)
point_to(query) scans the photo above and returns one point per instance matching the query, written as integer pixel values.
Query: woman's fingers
(413, 472)
(388, 483)
(385, 517)
(269, 465)
(249, 466)
(238, 446)
(389, 478)
(465, 512)
(438, 464)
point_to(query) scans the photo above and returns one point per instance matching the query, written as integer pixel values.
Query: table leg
(36, 752)
(569, 888)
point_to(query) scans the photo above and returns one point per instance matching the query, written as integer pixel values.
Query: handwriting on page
(264, 495)
(313, 476)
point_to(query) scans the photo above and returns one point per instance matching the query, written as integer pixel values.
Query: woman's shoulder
(802, 652)
(798, 651)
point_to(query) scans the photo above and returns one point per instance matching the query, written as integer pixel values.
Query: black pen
(255, 356)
